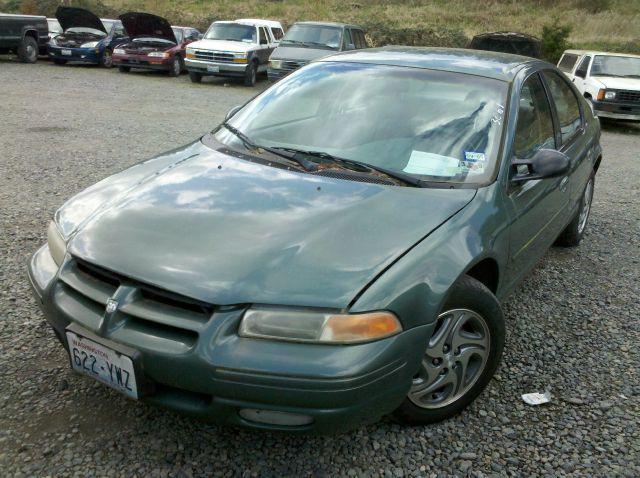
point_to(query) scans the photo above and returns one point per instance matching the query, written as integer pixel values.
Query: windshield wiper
(364, 167)
(295, 42)
(252, 145)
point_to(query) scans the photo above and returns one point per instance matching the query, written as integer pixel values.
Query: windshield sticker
(473, 156)
(431, 164)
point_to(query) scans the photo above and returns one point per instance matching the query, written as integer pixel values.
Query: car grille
(213, 56)
(628, 96)
(173, 321)
(290, 65)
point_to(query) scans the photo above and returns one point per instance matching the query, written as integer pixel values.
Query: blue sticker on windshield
(473, 156)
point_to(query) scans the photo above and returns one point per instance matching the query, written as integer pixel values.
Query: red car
(153, 45)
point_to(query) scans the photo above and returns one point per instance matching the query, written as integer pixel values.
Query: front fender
(417, 285)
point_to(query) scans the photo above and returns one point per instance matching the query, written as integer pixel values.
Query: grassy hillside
(606, 24)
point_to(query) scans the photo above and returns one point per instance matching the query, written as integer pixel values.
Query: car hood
(220, 229)
(138, 25)
(222, 45)
(70, 17)
(614, 83)
(300, 53)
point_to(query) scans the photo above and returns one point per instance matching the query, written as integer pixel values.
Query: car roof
(329, 24)
(258, 21)
(595, 52)
(500, 66)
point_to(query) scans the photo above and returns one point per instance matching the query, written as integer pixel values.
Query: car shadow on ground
(623, 127)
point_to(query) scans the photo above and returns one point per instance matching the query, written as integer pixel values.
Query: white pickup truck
(239, 48)
(610, 81)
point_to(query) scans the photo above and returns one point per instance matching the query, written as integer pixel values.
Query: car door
(580, 75)
(572, 139)
(264, 49)
(537, 207)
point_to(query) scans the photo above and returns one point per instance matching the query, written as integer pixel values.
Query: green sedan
(336, 250)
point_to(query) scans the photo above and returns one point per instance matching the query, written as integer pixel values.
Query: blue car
(85, 38)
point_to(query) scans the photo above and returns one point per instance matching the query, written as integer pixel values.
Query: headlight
(158, 54)
(118, 51)
(275, 64)
(90, 44)
(190, 54)
(57, 244)
(302, 325)
(240, 57)
(609, 95)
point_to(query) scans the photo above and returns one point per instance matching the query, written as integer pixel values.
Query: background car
(306, 41)
(153, 45)
(609, 81)
(25, 35)
(508, 42)
(86, 38)
(238, 49)
(351, 231)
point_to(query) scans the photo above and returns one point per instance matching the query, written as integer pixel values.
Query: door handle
(563, 184)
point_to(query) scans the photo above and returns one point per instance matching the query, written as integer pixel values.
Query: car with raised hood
(239, 48)
(25, 35)
(85, 38)
(609, 81)
(335, 250)
(55, 28)
(307, 41)
(154, 44)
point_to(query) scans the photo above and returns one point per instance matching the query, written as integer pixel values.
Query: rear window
(567, 62)
(277, 33)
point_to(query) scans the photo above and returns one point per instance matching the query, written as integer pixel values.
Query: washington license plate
(213, 69)
(66, 52)
(102, 363)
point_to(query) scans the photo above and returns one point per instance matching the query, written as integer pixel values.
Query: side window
(347, 40)
(566, 103)
(582, 69)
(534, 128)
(359, 39)
(567, 62)
(277, 33)
(263, 36)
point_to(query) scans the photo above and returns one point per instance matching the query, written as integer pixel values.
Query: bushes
(554, 41)
(380, 34)
(594, 6)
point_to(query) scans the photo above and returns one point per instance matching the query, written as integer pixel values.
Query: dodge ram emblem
(112, 306)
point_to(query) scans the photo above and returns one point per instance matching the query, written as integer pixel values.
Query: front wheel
(28, 50)
(107, 59)
(176, 67)
(574, 232)
(195, 77)
(460, 357)
(250, 74)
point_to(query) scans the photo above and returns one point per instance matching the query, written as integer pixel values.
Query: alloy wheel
(31, 52)
(586, 206)
(107, 60)
(176, 67)
(456, 355)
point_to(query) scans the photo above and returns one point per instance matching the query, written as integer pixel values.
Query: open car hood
(138, 25)
(70, 17)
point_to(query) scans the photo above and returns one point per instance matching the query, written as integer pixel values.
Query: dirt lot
(573, 325)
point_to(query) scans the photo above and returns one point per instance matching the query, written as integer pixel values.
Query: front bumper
(143, 61)
(213, 374)
(85, 55)
(617, 110)
(223, 68)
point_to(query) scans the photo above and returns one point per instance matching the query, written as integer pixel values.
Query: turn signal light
(601, 95)
(360, 327)
(190, 55)
(239, 60)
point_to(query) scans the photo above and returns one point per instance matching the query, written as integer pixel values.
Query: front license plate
(102, 363)
(66, 52)
(213, 69)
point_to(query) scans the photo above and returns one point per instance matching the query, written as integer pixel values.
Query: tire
(195, 77)
(58, 61)
(124, 69)
(574, 232)
(28, 50)
(250, 74)
(471, 325)
(107, 59)
(176, 67)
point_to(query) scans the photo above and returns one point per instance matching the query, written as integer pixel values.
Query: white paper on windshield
(431, 164)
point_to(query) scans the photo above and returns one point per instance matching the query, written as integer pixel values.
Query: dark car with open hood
(154, 44)
(335, 250)
(85, 38)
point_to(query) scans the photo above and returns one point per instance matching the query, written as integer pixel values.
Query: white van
(610, 81)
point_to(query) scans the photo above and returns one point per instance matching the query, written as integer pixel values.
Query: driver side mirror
(545, 163)
(232, 112)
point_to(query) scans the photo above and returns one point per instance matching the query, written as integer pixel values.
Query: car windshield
(54, 26)
(232, 32)
(624, 66)
(438, 126)
(315, 36)
(178, 33)
(92, 31)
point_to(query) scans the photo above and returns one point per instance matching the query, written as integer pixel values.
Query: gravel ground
(572, 325)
